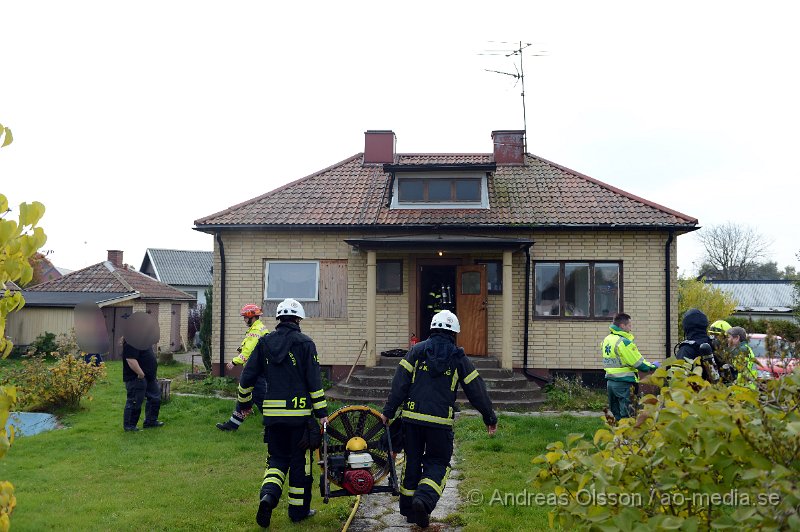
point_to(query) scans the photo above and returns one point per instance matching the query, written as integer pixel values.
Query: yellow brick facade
(553, 344)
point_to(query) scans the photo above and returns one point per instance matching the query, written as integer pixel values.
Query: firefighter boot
(421, 515)
(265, 506)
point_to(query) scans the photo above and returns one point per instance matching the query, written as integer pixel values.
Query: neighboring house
(533, 257)
(772, 300)
(117, 289)
(188, 271)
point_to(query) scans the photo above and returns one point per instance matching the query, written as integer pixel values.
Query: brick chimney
(379, 146)
(115, 257)
(509, 146)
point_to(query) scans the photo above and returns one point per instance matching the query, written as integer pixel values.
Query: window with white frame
(296, 279)
(440, 190)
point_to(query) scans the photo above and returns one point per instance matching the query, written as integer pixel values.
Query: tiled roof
(179, 267)
(71, 299)
(105, 277)
(759, 296)
(539, 193)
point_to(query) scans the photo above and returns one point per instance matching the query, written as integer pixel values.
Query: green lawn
(190, 476)
(493, 467)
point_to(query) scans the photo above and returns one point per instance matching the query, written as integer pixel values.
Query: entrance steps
(507, 389)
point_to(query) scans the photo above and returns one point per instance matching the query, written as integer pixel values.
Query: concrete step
(478, 362)
(368, 379)
(388, 371)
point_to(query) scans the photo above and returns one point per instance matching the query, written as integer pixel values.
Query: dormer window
(440, 190)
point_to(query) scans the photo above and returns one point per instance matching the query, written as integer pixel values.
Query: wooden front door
(471, 299)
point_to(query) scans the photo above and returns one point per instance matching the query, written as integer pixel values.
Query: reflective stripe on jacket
(256, 331)
(621, 358)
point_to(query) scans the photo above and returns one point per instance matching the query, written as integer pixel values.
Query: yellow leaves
(602, 436)
(6, 135)
(30, 213)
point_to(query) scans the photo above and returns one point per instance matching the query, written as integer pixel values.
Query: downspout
(221, 305)
(543, 380)
(667, 291)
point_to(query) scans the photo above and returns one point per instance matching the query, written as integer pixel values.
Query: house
(770, 300)
(117, 289)
(188, 271)
(533, 257)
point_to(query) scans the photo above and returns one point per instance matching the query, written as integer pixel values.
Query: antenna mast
(520, 77)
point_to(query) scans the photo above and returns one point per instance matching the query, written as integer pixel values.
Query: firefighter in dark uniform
(287, 359)
(425, 384)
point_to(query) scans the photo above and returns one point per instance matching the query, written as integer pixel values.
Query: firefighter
(622, 362)
(255, 331)
(287, 359)
(425, 384)
(717, 331)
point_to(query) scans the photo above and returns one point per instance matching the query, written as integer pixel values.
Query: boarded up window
(332, 301)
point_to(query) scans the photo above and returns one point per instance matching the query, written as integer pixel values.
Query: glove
(657, 364)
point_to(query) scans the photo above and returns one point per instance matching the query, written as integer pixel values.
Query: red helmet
(251, 311)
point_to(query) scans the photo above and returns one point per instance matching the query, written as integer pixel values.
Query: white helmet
(290, 307)
(445, 320)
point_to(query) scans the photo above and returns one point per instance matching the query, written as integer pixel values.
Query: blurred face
(626, 326)
(733, 341)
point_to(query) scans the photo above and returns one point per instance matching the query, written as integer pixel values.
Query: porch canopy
(440, 242)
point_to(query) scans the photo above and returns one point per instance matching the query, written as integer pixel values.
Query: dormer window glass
(445, 190)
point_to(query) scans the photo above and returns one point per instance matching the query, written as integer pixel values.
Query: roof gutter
(221, 304)
(514, 228)
(667, 293)
(543, 380)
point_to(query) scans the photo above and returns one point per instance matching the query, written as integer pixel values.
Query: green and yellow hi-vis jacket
(621, 358)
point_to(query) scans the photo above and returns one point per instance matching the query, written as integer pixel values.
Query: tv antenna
(518, 75)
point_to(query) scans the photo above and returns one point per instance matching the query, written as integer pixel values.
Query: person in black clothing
(139, 372)
(287, 359)
(425, 384)
(695, 332)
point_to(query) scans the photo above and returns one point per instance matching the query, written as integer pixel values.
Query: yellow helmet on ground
(356, 444)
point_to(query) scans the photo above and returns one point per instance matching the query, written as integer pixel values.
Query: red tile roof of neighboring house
(105, 277)
(539, 193)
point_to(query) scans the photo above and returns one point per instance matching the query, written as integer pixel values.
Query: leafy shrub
(67, 343)
(714, 302)
(48, 386)
(8, 501)
(205, 331)
(697, 457)
(44, 344)
(787, 330)
(195, 319)
(566, 393)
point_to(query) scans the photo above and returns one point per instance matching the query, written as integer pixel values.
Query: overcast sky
(133, 119)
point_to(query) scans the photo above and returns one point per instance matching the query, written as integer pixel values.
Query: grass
(185, 476)
(190, 476)
(566, 393)
(502, 464)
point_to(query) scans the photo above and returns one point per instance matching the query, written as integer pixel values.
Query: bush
(43, 386)
(45, 344)
(67, 344)
(566, 393)
(8, 500)
(698, 456)
(714, 302)
(205, 331)
(788, 330)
